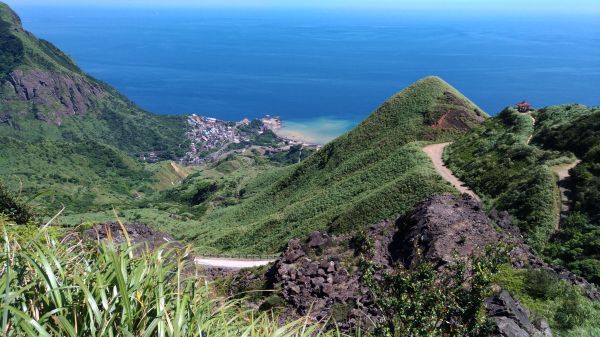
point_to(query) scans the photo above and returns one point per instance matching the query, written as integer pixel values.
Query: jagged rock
(319, 277)
(509, 328)
(512, 319)
(317, 239)
(445, 228)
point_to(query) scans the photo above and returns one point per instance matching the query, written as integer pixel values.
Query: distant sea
(322, 71)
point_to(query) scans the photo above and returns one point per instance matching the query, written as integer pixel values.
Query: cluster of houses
(209, 135)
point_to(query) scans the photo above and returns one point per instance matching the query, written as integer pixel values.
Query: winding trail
(435, 153)
(230, 263)
(530, 137)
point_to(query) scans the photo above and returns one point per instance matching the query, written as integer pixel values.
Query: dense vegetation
(11, 50)
(426, 302)
(569, 312)
(576, 128)
(497, 161)
(13, 208)
(51, 289)
(514, 175)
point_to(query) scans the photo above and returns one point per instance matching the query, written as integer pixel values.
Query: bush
(426, 302)
(15, 209)
(573, 312)
(542, 284)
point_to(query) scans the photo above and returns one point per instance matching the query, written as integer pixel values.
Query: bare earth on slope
(562, 171)
(435, 152)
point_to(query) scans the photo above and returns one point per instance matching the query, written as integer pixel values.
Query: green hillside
(576, 128)
(68, 134)
(373, 172)
(511, 174)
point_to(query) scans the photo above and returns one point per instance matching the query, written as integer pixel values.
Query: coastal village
(213, 138)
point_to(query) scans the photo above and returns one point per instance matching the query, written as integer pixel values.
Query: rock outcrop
(320, 276)
(512, 319)
(443, 229)
(55, 94)
(315, 281)
(139, 235)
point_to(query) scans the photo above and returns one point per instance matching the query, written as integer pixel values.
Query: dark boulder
(445, 228)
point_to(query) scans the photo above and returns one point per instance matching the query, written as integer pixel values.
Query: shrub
(15, 209)
(573, 312)
(427, 302)
(542, 284)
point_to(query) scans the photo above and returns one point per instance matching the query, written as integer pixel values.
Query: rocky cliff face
(321, 276)
(53, 94)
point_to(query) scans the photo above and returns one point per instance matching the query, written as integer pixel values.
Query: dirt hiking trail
(435, 153)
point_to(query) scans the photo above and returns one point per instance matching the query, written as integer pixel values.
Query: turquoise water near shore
(322, 71)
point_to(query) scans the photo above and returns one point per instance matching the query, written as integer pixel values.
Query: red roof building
(523, 106)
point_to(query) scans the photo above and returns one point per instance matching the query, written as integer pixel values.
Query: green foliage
(541, 284)
(58, 55)
(80, 176)
(573, 128)
(11, 50)
(569, 313)
(84, 162)
(47, 289)
(294, 155)
(576, 128)
(573, 312)
(496, 161)
(425, 302)
(14, 208)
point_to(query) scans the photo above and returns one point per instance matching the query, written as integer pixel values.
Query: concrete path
(230, 263)
(435, 152)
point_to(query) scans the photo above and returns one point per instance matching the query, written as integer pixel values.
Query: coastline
(317, 131)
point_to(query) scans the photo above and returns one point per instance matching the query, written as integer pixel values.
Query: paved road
(230, 263)
(435, 152)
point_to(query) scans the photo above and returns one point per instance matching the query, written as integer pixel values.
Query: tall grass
(52, 288)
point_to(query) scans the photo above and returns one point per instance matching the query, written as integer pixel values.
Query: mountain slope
(514, 174)
(43, 89)
(62, 130)
(371, 173)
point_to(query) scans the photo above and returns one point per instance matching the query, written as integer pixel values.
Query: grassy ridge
(576, 128)
(373, 172)
(496, 161)
(11, 48)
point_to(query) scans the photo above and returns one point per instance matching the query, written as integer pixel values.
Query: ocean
(322, 71)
